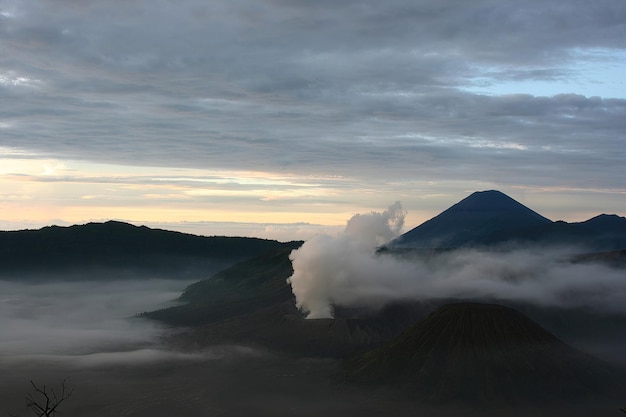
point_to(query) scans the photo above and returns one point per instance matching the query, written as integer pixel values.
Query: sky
(283, 118)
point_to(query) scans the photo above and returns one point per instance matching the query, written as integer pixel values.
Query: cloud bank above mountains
(233, 83)
(141, 107)
(346, 271)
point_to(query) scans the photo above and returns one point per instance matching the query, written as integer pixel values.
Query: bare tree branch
(44, 402)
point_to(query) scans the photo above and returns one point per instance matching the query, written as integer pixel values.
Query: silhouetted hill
(242, 288)
(252, 303)
(95, 249)
(470, 221)
(282, 327)
(489, 218)
(606, 232)
(609, 231)
(483, 353)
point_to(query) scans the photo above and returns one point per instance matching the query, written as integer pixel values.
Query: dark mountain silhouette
(488, 218)
(484, 354)
(606, 232)
(96, 250)
(239, 289)
(282, 327)
(470, 221)
(251, 303)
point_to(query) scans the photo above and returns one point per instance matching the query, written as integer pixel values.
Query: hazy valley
(146, 322)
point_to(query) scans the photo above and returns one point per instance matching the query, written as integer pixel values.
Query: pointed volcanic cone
(484, 217)
(482, 353)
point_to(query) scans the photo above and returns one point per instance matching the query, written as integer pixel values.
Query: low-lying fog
(85, 331)
(79, 318)
(89, 332)
(345, 270)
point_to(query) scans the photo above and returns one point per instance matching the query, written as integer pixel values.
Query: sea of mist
(346, 270)
(89, 331)
(89, 322)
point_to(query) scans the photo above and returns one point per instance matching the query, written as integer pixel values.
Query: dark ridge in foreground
(483, 354)
(237, 290)
(282, 328)
(251, 303)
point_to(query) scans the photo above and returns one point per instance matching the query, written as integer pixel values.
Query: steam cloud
(346, 271)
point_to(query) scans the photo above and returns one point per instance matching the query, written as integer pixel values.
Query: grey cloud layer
(320, 87)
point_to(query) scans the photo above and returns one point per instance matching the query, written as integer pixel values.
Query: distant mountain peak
(488, 218)
(606, 218)
(471, 221)
(491, 200)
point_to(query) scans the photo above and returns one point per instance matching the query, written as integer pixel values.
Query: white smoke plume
(346, 271)
(325, 267)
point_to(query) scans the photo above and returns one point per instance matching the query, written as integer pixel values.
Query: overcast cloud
(369, 90)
